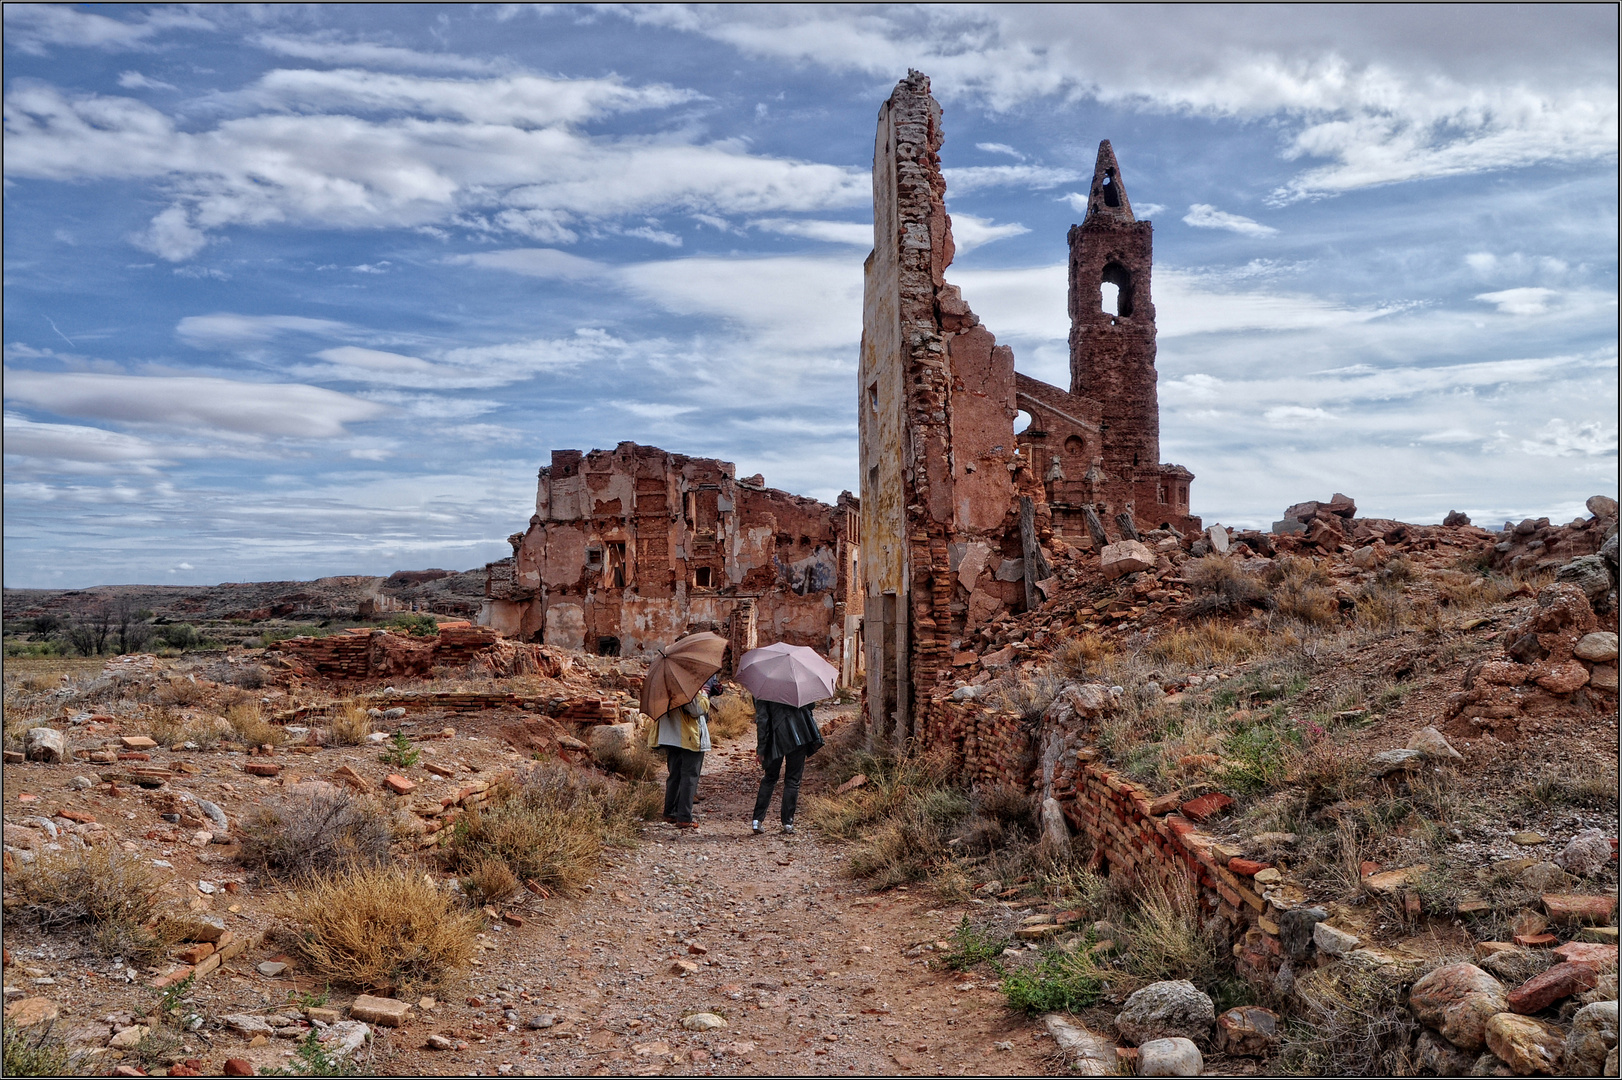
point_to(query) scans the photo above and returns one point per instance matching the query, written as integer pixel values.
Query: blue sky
(302, 291)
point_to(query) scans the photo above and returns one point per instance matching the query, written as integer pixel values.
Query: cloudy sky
(303, 291)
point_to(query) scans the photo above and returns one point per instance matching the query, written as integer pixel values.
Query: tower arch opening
(1115, 290)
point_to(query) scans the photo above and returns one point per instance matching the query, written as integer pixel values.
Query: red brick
(1535, 941)
(399, 784)
(1559, 982)
(1247, 867)
(1578, 908)
(1601, 956)
(261, 768)
(1206, 807)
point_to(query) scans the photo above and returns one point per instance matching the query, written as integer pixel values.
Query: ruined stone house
(630, 548)
(956, 505)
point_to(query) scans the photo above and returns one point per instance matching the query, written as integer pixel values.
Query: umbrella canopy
(792, 674)
(678, 671)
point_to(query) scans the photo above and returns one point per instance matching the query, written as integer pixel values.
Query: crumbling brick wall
(631, 547)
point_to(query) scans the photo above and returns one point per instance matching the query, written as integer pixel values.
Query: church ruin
(956, 505)
(630, 548)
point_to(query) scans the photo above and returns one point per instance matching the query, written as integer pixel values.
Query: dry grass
(550, 825)
(251, 727)
(1026, 695)
(114, 896)
(732, 715)
(1221, 587)
(350, 725)
(633, 759)
(179, 691)
(1207, 645)
(1083, 655)
(166, 726)
(379, 927)
(1303, 591)
(315, 834)
(1167, 939)
(490, 882)
(1350, 1021)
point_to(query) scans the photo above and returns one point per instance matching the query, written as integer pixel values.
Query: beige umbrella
(679, 670)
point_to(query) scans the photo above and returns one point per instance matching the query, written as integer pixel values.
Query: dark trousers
(682, 783)
(791, 786)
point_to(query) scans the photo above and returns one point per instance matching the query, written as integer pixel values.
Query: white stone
(45, 744)
(1217, 537)
(1171, 1009)
(703, 1022)
(1434, 745)
(1597, 648)
(1333, 942)
(1125, 557)
(1086, 1053)
(128, 1037)
(1170, 1057)
(248, 1024)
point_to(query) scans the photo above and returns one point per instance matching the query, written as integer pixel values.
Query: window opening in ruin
(1074, 446)
(616, 570)
(1115, 290)
(873, 396)
(1022, 422)
(704, 578)
(594, 558)
(873, 478)
(689, 508)
(1112, 191)
(608, 646)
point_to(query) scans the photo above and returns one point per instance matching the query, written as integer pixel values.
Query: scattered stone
(270, 969)
(439, 1042)
(342, 1039)
(1457, 1000)
(1535, 941)
(262, 768)
(1434, 745)
(1441, 1057)
(1597, 648)
(203, 928)
(1390, 881)
(1087, 1054)
(1593, 1035)
(1602, 956)
(1169, 1057)
(1542, 875)
(81, 783)
(704, 1021)
(1125, 557)
(1589, 573)
(386, 1012)
(137, 742)
(1566, 678)
(541, 1022)
(1248, 1030)
(1332, 941)
(45, 744)
(1392, 761)
(1559, 982)
(1601, 506)
(1297, 929)
(399, 784)
(684, 967)
(1524, 1044)
(248, 1024)
(128, 1037)
(1585, 854)
(238, 1067)
(318, 1015)
(29, 1012)
(1162, 1010)
(1571, 908)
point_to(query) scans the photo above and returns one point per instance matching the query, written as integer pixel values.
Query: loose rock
(1164, 1010)
(1086, 1053)
(45, 744)
(1524, 1044)
(1248, 1030)
(1593, 1035)
(1458, 1000)
(703, 1021)
(1585, 854)
(1169, 1057)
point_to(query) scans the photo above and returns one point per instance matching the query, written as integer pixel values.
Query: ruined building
(630, 548)
(955, 504)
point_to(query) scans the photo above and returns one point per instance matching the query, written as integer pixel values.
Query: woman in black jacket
(782, 733)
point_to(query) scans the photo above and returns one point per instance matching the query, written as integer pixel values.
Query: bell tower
(1112, 342)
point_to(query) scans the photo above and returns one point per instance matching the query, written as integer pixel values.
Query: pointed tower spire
(1108, 196)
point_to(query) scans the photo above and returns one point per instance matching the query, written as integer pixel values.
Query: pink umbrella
(792, 674)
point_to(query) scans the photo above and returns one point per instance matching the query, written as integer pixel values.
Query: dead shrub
(1592, 787)
(732, 715)
(1221, 587)
(1351, 1021)
(379, 926)
(1324, 771)
(1206, 645)
(251, 727)
(166, 727)
(1381, 609)
(1083, 654)
(899, 821)
(114, 896)
(350, 725)
(550, 825)
(490, 882)
(315, 833)
(1472, 593)
(632, 759)
(179, 692)
(1310, 604)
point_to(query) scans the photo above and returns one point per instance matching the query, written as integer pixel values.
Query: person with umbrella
(786, 680)
(673, 691)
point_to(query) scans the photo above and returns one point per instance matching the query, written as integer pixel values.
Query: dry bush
(1473, 593)
(315, 834)
(350, 725)
(113, 895)
(1351, 1022)
(1324, 771)
(166, 727)
(1027, 695)
(1310, 604)
(1207, 645)
(899, 821)
(1381, 609)
(1168, 938)
(633, 758)
(179, 692)
(550, 825)
(251, 727)
(1592, 786)
(732, 715)
(490, 882)
(381, 926)
(1001, 820)
(1083, 654)
(1221, 587)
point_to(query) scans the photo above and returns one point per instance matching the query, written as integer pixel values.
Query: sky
(300, 291)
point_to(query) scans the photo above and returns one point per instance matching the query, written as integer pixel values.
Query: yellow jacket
(686, 726)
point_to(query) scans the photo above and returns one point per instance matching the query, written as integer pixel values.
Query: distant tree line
(115, 626)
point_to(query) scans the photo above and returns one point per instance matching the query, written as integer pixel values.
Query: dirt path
(806, 967)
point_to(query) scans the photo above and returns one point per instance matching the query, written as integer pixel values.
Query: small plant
(350, 724)
(973, 947)
(380, 925)
(310, 1058)
(416, 625)
(307, 999)
(319, 833)
(34, 1053)
(1221, 587)
(1059, 982)
(490, 882)
(630, 757)
(401, 754)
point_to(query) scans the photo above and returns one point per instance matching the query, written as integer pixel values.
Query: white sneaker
(754, 826)
(788, 828)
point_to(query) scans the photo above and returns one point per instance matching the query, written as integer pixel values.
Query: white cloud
(33, 28)
(1564, 438)
(134, 80)
(187, 402)
(329, 51)
(960, 181)
(1525, 301)
(854, 233)
(1206, 216)
(1295, 416)
(224, 329)
(533, 262)
(62, 444)
(1000, 148)
(970, 232)
(171, 236)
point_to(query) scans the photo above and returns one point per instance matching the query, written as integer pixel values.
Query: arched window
(1112, 191)
(1117, 279)
(1022, 421)
(1074, 446)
